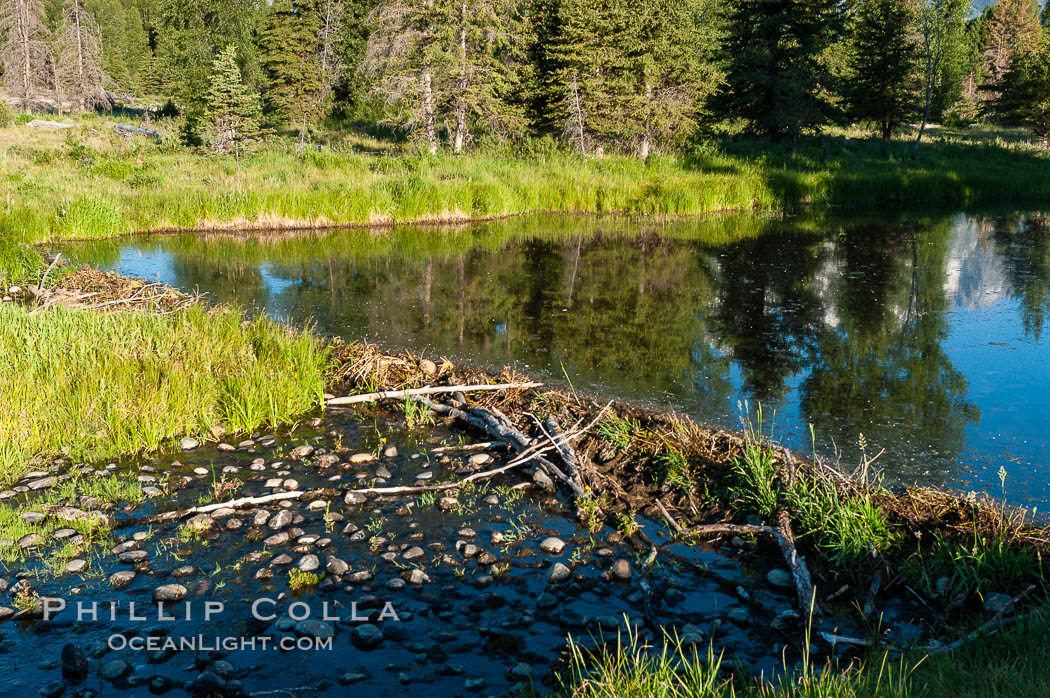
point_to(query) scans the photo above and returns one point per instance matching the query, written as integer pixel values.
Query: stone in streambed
(781, 579)
(74, 664)
(188, 443)
(366, 636)
(554, 546)
(170, 592)
(559, 573)
(121, 579)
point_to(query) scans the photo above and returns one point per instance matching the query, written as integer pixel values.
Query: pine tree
(191, 33)
(78, 59)
(233, 109)
(290, 44)
(674, 71)
(776, 80)
(25, 53)
(883, 78)
(1025, 97)
(406, 53)
(1012, 26)
(477, 76)
(589, 84)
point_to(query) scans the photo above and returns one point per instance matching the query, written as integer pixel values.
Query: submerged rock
(366, 636)
(188, 443)
(74, 664)
(781, 579)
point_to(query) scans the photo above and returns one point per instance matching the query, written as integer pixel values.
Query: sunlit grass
(89, 385)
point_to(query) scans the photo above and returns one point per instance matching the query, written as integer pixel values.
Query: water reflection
(924, 333)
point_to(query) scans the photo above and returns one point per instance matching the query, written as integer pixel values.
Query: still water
(928, 333)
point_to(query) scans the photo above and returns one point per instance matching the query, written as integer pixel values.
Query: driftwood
(565, 449)
(49, 125)
(416, 392)
(129, 130)
(502, 429)
(988, 628)
(469, 448)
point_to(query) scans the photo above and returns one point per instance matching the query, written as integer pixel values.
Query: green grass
(1010, 663)
(88, 385)
(138, 185)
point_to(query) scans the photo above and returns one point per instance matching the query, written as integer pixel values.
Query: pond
(926, 333)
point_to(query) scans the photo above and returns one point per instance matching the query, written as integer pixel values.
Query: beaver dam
(456, 529)
(455, 532)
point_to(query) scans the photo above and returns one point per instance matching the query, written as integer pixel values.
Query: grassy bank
(88, 182)
(90, 385)
(1011, 663)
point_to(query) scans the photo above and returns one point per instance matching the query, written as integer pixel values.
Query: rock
(366, 636)
(309, 563)
(42, 483)
(300, 452)
(542, 480)
(184, 571)
(559, 573)
(996, 602)
(276, 539)
(334, 565)
(546, 601)
(32, 517)
(314, 628)
(354, 498)
(115, 669)
(474, 684)
(554, 546)
(282, 519)
(360, 577)
(170, 592)
(133, 556)
(416, 577)
(188, 443)
(428, 367)
(390, 452)
(781, 579)
(448, 503)
(74, 664)
(208, 684)
(479, 459)
(359, 458)
(413, 553)
(621, 571)
(76, 566)
(121, 579)
(785, 620)
(30, 540)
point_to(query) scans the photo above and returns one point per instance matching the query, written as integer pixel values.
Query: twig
(983, 629)
(670, 519)
(784, 539)
(414, 392)
(467, 448)
(40, 286)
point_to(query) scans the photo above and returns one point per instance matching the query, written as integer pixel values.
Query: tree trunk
(81, 82)
(461, 100)
(429, 119)
(579, 114)
(22, 23)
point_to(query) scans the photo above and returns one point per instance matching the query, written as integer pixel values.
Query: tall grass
(630, 668)
(90, 385)
(92, 186)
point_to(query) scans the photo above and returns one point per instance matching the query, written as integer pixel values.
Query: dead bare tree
(331, 63)
(401, 56)
(78, 58)
(25, 54)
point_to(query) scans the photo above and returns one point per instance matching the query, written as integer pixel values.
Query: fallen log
(49, 125)
(129, 130)
(416, 392)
